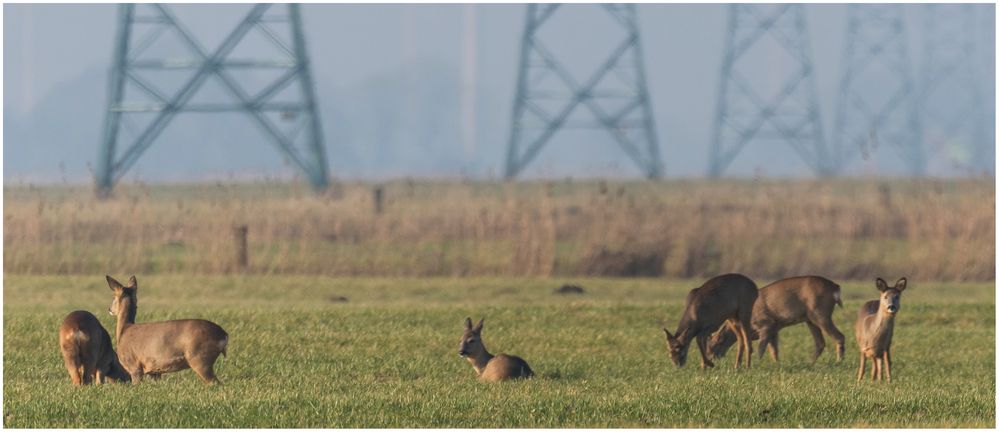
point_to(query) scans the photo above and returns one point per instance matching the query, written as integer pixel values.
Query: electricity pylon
(877, 95)
(951, 91)
(616, 94)
(745, 115)
(136, 82)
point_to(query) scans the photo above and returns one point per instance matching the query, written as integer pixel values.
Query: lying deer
(86, 350)
(875, 325)
(808, 299)
(167, 346)
(488, 367)
(726, 298)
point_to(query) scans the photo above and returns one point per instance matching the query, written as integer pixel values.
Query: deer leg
(73, 369)
(744, 339)
(205, 368)
(863, 365)
(89, 370)
(738, 339)
(768, 341)
(774, 348)
(831, 330)
(75, 375)
(825, 323)
(702, 346)
(98, 377)
(820, 342)
(136, 375)
(155, 376)
(876, 369)
(887, 363)
(764, 341)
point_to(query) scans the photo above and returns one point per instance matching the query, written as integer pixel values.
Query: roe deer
(875, 325)
(808, 299)
(726, 298)
(86, 350)
(490, 368)
(167, 346)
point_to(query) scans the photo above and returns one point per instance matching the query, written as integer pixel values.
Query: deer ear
(881, 284)
(468, 323)
(900, 285)
(668, 334)
(132, 283)
(113, 284)
(478, 327)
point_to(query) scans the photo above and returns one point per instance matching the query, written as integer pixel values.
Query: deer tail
(836, 296)
(77, 339)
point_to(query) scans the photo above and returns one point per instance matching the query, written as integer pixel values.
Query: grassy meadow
(349, 314)
(385, 355)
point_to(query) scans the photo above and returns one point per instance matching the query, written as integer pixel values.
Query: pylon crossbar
(537, 62)
(207, 64)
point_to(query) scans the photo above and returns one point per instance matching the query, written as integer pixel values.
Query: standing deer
(875, 325)
(86, 350)
(808, 299)
(489, 367)
(167, 346)
(726, 298)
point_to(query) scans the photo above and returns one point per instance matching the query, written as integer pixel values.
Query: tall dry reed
(927, 229)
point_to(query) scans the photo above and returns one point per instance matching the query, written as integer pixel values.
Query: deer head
(124, 296)
(471, 339)
(891, 296)
(678, 346)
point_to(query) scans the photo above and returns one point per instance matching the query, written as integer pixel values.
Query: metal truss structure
(878, 101)
(950, 77)
(615, 94)
(135, 90)
(744, 115)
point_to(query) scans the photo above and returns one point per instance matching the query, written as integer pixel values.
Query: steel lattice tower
(950, 73)
(134, 90)
(743, 114)
(877, 95)
(616, 94)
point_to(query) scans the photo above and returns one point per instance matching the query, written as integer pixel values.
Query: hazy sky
(419, 90)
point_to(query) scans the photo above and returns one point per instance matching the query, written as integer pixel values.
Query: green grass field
(387, 357)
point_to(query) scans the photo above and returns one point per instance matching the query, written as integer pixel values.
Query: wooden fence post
(377, 196)
(242, 258)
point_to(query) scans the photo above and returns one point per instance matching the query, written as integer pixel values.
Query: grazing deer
(726, 298)
(489, 367)
(808, 299)
(86, 350)
(167, 346)
(875, 325)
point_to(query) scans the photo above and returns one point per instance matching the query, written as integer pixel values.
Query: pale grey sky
(393, 87)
